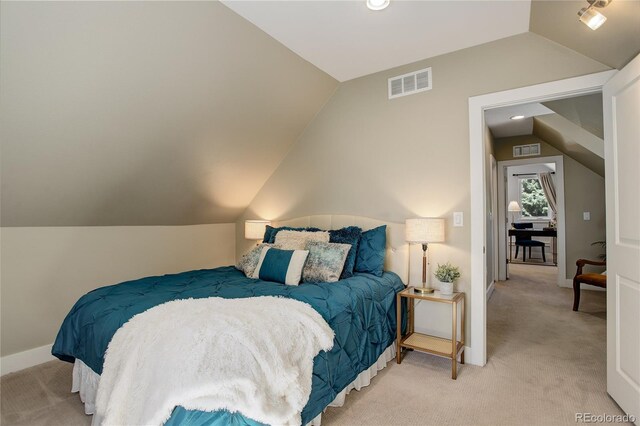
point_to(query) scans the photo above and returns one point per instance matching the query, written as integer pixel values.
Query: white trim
(560, 217)
(26, 359)
(477, 105)
(490, 289)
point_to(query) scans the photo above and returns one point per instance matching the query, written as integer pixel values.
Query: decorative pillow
(270, 232)
(281, 266)
(371, 250)
(249, 260)
(349, 235)
(325, 262)
(297, 240)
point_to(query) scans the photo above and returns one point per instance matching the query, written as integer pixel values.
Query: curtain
(546, 181)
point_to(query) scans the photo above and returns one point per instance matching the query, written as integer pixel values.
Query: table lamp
(254, 229)
(424, 231)
(513, 208)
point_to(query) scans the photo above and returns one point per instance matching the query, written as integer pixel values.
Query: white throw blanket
(254, 356)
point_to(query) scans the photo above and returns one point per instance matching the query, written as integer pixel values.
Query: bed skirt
(85, 382)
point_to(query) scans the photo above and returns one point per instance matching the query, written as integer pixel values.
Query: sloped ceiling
(143, 113)
(175, 113)
(567, 145)
(584, 111)
(614, 44)
(502, 126)
(571, 125)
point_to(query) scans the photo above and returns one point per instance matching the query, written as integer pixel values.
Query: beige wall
(45, 270)
(143, 113)
(392, 159)
(584, 191)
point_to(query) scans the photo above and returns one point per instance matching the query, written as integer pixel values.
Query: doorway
(549, 226)
(477, 105)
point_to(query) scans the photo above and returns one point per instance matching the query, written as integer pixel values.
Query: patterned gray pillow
(325, 261)
(249, 260)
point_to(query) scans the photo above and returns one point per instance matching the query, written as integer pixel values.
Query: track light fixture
(590, 16)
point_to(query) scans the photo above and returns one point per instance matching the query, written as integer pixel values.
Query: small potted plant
(446, 274)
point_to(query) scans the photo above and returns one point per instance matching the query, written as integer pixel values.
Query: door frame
(570, 87)
(558, 160)
(495, 223)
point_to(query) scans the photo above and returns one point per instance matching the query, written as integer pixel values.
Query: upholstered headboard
(397, 257)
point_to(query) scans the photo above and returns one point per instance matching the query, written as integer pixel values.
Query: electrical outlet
(458, 219)
(586, 215)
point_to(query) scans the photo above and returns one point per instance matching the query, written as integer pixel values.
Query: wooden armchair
(599, 280)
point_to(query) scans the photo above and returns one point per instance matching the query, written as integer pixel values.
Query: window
(532, 199)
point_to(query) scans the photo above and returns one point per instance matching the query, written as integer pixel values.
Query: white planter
(445, 288)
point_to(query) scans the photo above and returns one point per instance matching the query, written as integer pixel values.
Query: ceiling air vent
(408, 84)
(526, 150)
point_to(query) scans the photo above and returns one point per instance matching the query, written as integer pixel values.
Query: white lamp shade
(254, 229)
(424, 230)
(513, 206)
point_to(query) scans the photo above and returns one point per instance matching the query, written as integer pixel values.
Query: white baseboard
(490, 289)
(568, 283)
(26, 359)
(472, 358)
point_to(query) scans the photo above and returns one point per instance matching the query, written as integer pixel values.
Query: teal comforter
(361, 310)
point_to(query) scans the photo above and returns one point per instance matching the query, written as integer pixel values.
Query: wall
(584, 191)
(392, 159)
(46, 269)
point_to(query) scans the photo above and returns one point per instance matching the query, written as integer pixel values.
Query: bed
(360, 310)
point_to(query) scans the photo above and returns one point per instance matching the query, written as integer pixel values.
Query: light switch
(586, 215)
(458, 219)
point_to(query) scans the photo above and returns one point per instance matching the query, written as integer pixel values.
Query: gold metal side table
(447, 348)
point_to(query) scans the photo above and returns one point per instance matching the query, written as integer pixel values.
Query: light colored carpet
(546, 363)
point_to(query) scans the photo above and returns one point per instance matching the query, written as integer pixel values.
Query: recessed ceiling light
(377, 4)
(516, 117)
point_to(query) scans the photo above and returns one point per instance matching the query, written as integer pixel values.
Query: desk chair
(527, 242)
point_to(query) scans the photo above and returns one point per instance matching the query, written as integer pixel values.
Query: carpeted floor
(546, 363)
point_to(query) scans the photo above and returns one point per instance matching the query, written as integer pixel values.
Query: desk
(528, 233)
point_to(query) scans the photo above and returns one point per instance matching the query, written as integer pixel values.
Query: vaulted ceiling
(170, 113)
(347, 40)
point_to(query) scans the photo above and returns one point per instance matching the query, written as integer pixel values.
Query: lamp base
(423, 290)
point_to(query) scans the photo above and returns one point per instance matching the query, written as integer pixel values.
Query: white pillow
(297, 240)
(281, 266)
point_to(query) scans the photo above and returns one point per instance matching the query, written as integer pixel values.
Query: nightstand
(447, 348)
